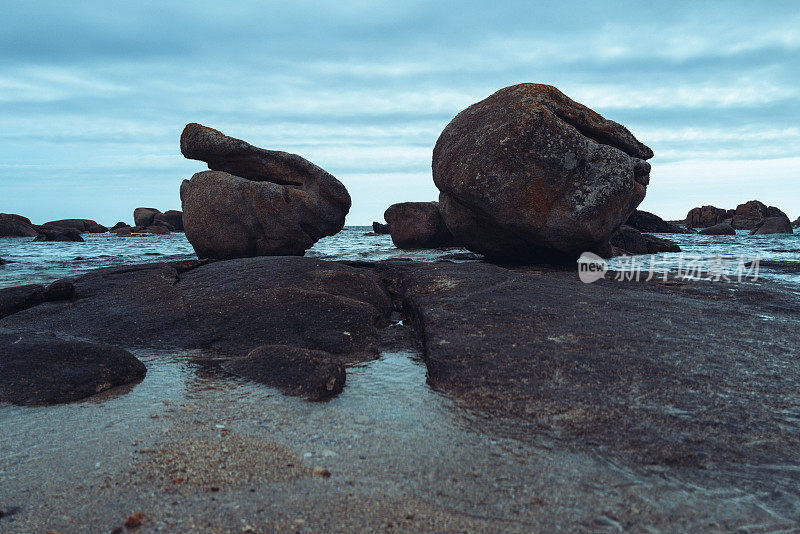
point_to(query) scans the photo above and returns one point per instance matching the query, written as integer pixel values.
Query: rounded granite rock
(256, 202)
(527, 174)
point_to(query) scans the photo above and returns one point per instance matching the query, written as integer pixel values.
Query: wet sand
(193, 449)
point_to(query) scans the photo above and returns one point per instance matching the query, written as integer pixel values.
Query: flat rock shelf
(478, 398)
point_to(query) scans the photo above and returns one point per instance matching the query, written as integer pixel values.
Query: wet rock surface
(530, 175)
(256, 202)
(40, 370)
(228, 307)
(630, 368)
(313, 374)
(615, 405)
(418, 225)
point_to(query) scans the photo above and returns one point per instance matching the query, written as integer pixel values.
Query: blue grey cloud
(93, 95)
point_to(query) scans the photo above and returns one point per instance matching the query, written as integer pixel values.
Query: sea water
(30, 262)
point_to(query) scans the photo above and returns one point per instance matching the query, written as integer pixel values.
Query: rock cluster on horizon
(751, 216)
(530, 175)
(256, 202)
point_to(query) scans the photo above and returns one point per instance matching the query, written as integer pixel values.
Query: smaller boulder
(143, 217)
(43, 370)
(773, 225)
(118, 226)
(796, 224)
(705, 216)
(380, 228)
(80, 225)
(418, 225)
(629, 240)
(124, 231)
(62, 289)
(650, 223)
(16, 299)
(159, 229)
(173, 219)
(313, 374)
(58, 234)
(723, 228)
(750, 214)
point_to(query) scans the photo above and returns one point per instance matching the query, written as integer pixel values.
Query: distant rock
(122, 231)
(750, 214)
(649, 223)
(313, 374)
(723, 228)
(418, 225)
(380, 228)
(118, 226)
(155, 228)
(80, 225)
(705, 217)
(629, 240)
(41, 370)
(529, 175)
(172, 218)
(57, 233)
(796, 223)
(143, 217)
(12, 225)
(773, 225)
(256, 202)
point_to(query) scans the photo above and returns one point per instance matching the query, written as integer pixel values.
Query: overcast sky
(93, 95)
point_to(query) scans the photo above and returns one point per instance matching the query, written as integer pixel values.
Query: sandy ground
(193, 449)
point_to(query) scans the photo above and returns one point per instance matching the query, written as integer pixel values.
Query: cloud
(95, 95)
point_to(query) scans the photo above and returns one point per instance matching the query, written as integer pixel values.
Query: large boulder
(417, 225)
(773, 225)
(529, 175)
(645, 221)
(723, 228)
(256, 202)
(143, 217)
(705, 216)
(173, 219)
(12, 225)
(748, 215)
(80, 225)
(313, 374)
(41, 370)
